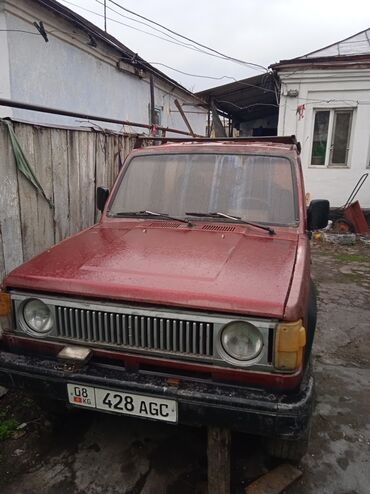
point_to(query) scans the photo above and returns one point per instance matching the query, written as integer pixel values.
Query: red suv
(190, 301)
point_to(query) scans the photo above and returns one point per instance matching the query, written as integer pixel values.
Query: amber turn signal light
(290, 340)
(4, 304)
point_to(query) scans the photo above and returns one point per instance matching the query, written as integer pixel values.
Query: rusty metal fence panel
(69, 164)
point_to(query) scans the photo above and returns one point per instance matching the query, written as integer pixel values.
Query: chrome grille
(135, 331)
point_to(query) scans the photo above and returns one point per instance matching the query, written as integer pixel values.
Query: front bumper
(200, 402)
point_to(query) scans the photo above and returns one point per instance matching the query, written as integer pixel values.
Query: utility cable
(216, 78)
(19, 31)
(243, 62)
(175, 42)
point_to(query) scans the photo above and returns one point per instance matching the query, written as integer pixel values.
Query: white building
(83, 69)
(325, 102)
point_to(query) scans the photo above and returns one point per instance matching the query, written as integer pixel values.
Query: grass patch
(352, 258)
(7, 427)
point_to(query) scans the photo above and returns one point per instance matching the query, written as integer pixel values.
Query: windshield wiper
(146, 213)
(233, 218)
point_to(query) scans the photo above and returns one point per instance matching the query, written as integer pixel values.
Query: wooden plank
(184, 117)
(74, 181)
(218, 452)
(91, 180)
(275, 481)
(101, 172)
(116, 151)
(87, 178)
(59, 158)
(109, 157)
(130, 142)
(27, 194)
(10, 223)
(44, 173)
(2, 258)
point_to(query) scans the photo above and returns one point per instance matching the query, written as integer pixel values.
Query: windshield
(252, 187)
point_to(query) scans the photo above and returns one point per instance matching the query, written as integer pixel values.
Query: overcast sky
(259, 31)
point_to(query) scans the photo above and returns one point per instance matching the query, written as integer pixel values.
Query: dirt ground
(92, 453)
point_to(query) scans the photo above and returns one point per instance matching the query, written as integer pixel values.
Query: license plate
(125, 403)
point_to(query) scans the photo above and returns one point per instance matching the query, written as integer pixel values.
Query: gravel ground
(92, 453)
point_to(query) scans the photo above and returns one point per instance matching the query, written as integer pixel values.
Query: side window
(320, 137)
(341, 136)
(331, 137)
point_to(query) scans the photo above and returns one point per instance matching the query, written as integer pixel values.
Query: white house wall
(4, 61)
(66, 73)
(329, 89)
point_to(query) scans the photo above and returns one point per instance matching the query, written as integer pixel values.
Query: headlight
(241, 341)
(37, 316)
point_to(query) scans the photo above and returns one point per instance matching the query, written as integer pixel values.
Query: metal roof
(247, 99)
(358, 44)
(352, 50)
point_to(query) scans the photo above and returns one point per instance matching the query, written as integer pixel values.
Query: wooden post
(184, 117)
(216, 121)
(219, 442)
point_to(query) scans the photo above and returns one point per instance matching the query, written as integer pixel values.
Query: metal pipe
(44, 109)
(270, 139)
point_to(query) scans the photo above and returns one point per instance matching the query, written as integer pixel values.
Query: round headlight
(37, 316)
(241, 340)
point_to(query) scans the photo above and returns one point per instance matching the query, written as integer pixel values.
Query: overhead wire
(19, 31)
(248, 106)
(179, 43)
(223, 55)
(175, 40)
(144, 23)
(171, 39)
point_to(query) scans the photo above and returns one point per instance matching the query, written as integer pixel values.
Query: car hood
(238, 271)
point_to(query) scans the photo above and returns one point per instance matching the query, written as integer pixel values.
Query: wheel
(342, 225)
(287, 449)
(293, 449)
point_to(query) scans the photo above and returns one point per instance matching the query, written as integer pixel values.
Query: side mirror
(318, 214)
(102, 194)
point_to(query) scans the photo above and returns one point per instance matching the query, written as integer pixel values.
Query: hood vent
(164, 224)
(219, 228)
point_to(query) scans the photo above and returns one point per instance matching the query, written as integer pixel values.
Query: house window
(331, 137)
(320, 137)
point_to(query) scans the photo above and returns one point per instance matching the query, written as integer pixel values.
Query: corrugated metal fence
(69, 164)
